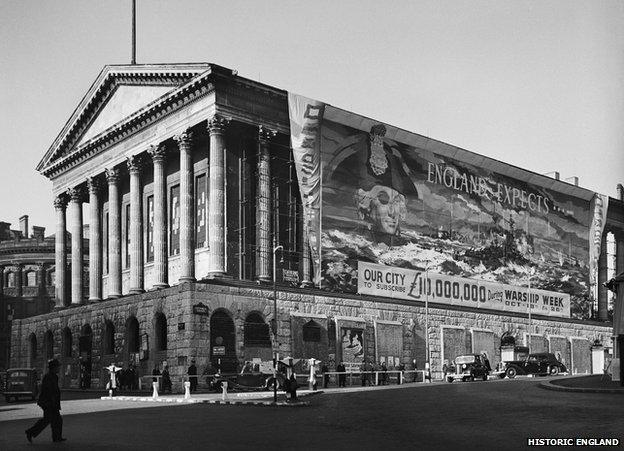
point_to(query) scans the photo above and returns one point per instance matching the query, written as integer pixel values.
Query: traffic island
(596, 383)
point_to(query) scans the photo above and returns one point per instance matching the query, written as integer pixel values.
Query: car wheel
(449, 380)
(471, 378)
(554, 370)
(511, 373)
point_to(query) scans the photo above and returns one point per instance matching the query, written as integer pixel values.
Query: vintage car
(21, 382)
(542, 364)
(468, 368)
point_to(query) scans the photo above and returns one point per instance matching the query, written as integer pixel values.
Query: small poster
(352, 345)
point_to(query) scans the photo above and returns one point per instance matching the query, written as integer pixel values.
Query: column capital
(60, 202)
(94, 185)
(135, 164)
(158, 153)
(217, 124)
(184, 139)
(76, 194)
(265, 134)
(112, 176)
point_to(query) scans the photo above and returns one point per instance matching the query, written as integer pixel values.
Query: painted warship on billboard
(386, 199)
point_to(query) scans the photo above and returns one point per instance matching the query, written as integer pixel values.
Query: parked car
(21, 382)
(542, 364)
(468, 368)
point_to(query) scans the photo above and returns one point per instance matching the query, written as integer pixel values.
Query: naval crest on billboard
(385, 200)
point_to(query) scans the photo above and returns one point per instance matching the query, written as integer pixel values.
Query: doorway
(223, 342)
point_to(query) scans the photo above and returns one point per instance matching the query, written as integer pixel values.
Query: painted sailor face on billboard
(383, 208)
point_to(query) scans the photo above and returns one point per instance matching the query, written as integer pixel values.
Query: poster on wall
(352, 340)
(399, 199)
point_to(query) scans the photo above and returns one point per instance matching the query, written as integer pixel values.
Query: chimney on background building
(39, 233)
(553, 174)
(620, 192)
(573, 180)
(23, 226)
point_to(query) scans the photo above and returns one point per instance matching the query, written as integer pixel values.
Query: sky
(537, 84)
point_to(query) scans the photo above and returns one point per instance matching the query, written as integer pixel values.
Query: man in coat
(50, 402)
(192, 372)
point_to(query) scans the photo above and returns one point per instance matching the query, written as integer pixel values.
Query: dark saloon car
(542, 364)
(21, 383)
(468, 368)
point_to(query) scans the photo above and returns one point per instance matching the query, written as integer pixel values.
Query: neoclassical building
(194, 207)
(27, 277)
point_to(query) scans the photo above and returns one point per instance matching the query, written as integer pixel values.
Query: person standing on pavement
(50, 402)
(325, 370)
(166, 378)
(192, 373)
(342, 377)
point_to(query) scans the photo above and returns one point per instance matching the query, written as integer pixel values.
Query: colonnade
(73, 198)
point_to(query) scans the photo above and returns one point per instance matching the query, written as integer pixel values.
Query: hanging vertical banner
(598, 209)
(305, 124)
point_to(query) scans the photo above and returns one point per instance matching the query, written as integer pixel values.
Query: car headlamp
(463, 366)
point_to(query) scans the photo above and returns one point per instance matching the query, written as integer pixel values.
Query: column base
(136, 290)
(263, 279)
(114, 296)
(160, 285)
(306, 284)
(215, 274)
(94, 300)
(187, 279)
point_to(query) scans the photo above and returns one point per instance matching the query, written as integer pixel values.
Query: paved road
(480, 415)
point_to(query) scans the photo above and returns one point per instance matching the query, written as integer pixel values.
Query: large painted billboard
(387, 198)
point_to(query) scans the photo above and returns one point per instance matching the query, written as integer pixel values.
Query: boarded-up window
(174, 222)
(312, 331)
(150, 229)
(201, 236)
(257, 331)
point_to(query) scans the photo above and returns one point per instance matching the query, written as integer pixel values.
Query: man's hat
(53, 363)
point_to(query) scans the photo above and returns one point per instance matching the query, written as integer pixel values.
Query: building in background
(203, 187)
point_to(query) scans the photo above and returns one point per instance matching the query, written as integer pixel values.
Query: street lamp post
(275, 249)
(427, 353)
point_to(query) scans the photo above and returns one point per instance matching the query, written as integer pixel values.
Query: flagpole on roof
(133, 32)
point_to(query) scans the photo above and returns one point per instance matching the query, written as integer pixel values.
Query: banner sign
(305, 127)
(399, 199)
(399, 283)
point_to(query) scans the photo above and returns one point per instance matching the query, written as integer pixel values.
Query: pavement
(594, 383)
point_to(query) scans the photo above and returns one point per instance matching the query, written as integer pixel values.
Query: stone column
(305, 273)
(619, 252)
(263, 207)
(75, 204)
(1, 281)
(19, 279)
(60, 251)
(216, 198)
(158, 154)
(136, 226)
(602, 278)
(95, 241)
(187, 208)
(114, 234)
(41, 279)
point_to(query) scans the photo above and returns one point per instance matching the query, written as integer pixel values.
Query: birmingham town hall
(210, 196)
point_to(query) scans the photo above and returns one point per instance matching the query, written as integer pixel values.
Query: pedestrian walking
(192, 373)
(166, 378)
(342, 377)
(50, 402)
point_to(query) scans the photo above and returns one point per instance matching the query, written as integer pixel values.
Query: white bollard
(224, 395)
(187, 390)
(110, 393)
(155, 387)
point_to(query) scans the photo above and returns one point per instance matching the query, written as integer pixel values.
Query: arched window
(312, 331)
(67, 342)
(160, 332)
(256, 331)
(48, 345)
(108, 341)
(32, 350)
(10, 279)
(132, 335)
(31, 279)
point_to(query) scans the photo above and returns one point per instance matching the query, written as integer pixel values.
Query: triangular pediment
(118, 93)
(126, 99)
